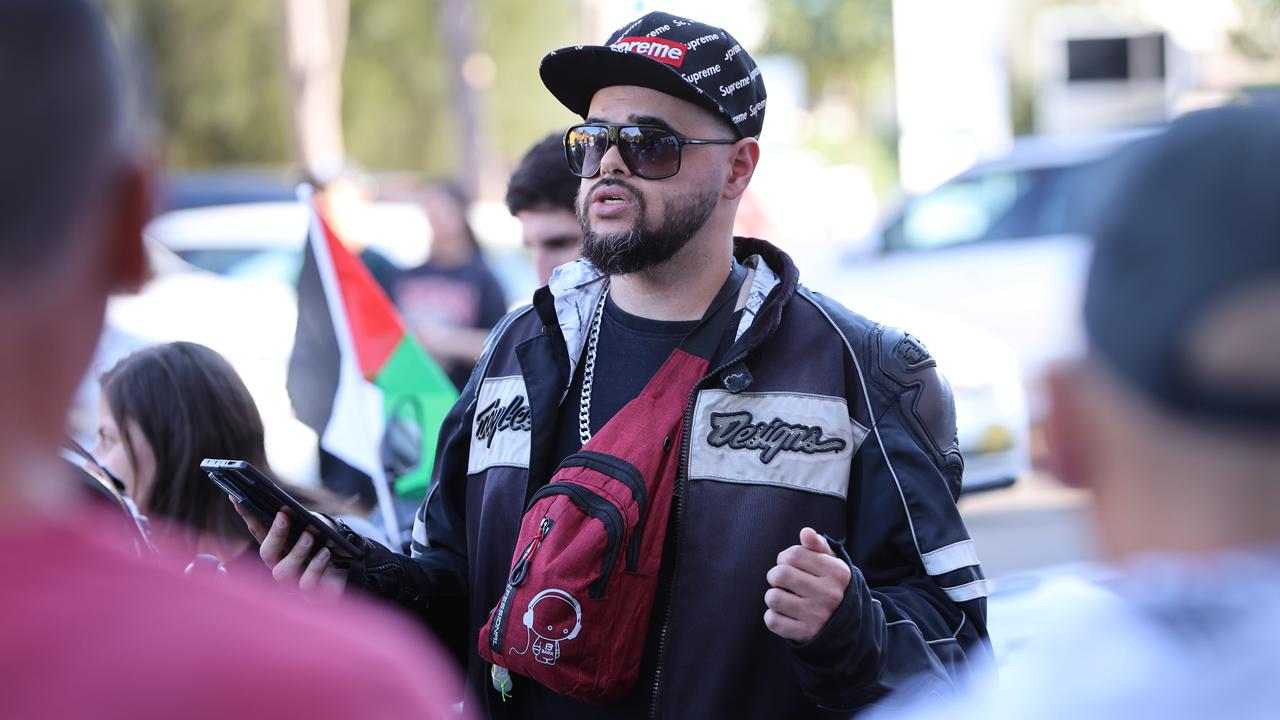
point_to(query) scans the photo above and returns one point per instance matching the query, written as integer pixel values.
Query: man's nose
(612, 162)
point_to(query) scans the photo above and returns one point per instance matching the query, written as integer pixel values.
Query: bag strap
(704, 338)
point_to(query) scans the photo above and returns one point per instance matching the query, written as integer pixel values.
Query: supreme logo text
(740, 431)
(664, 51)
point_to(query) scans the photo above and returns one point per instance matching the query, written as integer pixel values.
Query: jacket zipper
(678, 498)
(599, 508)
(627, 474)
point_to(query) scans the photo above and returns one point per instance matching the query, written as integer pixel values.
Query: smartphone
(256, 493)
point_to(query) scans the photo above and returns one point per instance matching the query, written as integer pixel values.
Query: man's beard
(639, 247)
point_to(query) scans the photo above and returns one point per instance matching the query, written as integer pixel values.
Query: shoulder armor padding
(906, 360)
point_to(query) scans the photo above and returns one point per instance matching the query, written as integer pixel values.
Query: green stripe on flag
(416, 395)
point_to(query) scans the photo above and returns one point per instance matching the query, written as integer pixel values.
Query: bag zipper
(601, 509)
(677, 512)
(628, 475)
(518, 572)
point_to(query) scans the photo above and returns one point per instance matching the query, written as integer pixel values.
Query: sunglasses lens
(651, 153)
(584, 146)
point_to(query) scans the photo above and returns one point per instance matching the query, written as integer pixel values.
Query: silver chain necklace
(589, 371)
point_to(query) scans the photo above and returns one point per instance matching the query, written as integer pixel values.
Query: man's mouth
(611, 195)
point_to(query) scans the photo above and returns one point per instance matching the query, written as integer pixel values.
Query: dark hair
(461, 202)
(542, 181)
(60, 129)
(189, 404)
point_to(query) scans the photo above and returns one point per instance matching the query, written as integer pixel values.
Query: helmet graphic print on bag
(553, 617)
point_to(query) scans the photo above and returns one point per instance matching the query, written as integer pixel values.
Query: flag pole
(374, 411)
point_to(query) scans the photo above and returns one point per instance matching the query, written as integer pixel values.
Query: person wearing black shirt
(451, 301)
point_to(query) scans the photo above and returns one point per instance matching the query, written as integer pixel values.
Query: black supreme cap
(1193, 226)
(673, 55)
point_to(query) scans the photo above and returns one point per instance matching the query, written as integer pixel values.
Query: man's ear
(746, 153)
(126, 255)
(1064, 425)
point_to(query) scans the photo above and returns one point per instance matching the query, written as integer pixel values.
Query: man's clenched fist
(807, 586)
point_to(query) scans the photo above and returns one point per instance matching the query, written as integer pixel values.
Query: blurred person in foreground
(814, 558)
(1173, 421)
(89, 628)
(451, 301)
(540, 195)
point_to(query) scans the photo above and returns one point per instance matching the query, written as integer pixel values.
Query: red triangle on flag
(375, 327)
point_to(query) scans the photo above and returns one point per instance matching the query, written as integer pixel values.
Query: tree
(214, 74)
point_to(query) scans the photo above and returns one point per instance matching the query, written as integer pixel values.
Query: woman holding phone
(165, 408)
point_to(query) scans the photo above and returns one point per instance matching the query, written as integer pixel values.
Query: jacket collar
(575, 288)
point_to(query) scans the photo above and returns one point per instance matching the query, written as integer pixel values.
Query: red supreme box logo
(665, 51)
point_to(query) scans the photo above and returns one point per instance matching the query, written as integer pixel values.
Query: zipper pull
(522, 566)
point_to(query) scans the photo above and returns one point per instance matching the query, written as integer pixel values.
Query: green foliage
(395, 101)
(518, 110)
(846, 48)
(214, 75)
(845, 45)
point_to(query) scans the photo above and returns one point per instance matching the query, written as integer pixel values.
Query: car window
(258, 264)
(996, 206)
(958, 212)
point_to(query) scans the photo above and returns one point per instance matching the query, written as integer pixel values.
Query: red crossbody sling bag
(576, 607)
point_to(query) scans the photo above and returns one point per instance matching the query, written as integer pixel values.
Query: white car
(1002, 246)
(992, 425)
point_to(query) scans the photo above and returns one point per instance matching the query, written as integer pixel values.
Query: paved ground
(1035, 523)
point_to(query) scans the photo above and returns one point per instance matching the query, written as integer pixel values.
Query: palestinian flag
(367, 388)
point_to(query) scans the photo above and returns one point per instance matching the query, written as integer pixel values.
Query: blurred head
(73, 200)
(451, 235)
(343, 201)
(684, 77)
(1174, 418)
(166, 408)
(541, 196)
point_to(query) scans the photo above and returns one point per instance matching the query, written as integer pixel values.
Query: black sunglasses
(651, 152)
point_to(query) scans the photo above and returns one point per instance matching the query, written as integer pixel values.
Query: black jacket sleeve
(915, 607)
(431, 583)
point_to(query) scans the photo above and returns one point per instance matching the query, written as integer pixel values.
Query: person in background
(541, 194)
(1173, 421)
(163, 410)
(452, 301)
(344, 202)
(89, 628)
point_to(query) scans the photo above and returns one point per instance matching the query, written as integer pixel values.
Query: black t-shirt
(466, 296)
(630, 351)
(384, 272)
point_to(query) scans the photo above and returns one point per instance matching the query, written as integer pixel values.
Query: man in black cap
(814, 559)
(1173, 421)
